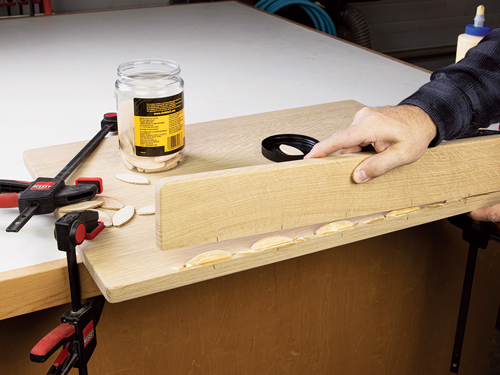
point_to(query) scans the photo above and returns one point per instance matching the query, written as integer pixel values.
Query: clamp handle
(51, 342)
(10, 190)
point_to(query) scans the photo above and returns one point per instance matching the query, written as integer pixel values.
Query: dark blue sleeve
(464, 96)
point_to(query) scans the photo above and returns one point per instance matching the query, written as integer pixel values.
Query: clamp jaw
(477, 233)
(44, 195)
(77, 331)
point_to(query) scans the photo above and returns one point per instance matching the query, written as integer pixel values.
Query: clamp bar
(478, 235)
(464, 308)
(22, 218)
(84, 152)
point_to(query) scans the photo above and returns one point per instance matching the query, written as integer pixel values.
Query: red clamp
(51, 342)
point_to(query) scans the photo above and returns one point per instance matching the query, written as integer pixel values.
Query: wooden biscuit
(171, 163)
(272, 242)
(158, 168)
(146, 210)
(373, 219)
(105, 218)
(164, 158)
(129, 166)
(403, 211)
(80, 206)
(209, 257)
(336, 226)
(290, 150)
(435, 205)
(123, 216)
(110, 203)
(132, 178)
(141, 161)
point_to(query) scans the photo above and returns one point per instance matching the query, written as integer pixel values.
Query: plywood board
(126, 263)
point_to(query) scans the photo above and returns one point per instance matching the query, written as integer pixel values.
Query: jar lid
(271, 146)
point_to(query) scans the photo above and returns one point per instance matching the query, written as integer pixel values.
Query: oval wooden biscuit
(142, 162)
(132, 178)
(123, 216)
(209, 257)
(290, 150)
(110, 203)
(403, 211)
(105, 218)
(336, 226)
(435, 205)
(147, 210)
(164, 158)
(372, 220)
(171, 163)
(80, 206)
(272, 242)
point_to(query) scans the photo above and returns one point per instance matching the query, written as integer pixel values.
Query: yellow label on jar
(159, 125)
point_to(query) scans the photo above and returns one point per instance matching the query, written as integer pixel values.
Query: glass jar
(150, 107)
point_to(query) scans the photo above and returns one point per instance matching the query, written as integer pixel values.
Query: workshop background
(423, 33)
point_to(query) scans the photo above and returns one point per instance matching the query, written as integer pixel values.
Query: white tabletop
(58, 73)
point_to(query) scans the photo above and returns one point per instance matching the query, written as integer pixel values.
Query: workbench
(385, 304)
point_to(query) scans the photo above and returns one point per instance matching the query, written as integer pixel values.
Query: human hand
(400, 135)
(491, 213)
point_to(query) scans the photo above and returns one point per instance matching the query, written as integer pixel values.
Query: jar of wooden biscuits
(150, 107)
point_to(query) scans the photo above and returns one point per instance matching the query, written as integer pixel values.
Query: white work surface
(58, 75)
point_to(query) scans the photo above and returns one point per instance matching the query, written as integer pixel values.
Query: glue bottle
(473, 34)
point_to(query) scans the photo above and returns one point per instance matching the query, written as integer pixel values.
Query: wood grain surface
(39, 287)
(126, 263)
(216, 206)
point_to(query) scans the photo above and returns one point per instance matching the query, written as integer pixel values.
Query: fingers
(400, 135)
(381, 163)
(369, 126)
(491, 213)
(351, 150)
(343, 140)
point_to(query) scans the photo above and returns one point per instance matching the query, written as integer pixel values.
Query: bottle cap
(272, 151)
(477, 31)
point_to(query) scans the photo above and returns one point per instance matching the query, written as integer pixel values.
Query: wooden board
(216, 206)
(41, 286)
(126, 263)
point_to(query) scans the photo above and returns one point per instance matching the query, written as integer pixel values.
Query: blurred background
(423, 33)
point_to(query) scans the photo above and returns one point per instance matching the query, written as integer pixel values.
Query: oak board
(221, 205)
(126, 263)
